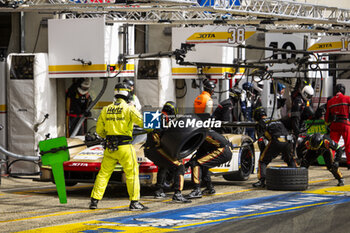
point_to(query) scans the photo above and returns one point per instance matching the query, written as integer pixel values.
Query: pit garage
(60, 64)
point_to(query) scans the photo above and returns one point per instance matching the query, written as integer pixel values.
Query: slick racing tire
(247, 165)
(178, 141)
(287, 178)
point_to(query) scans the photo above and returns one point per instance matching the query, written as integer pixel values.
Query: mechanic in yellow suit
(115, 125)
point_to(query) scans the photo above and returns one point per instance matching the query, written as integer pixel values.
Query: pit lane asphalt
(30, 206)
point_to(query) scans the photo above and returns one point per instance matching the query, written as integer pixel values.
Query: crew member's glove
(191, 163)
(339, 154)
(335, 164)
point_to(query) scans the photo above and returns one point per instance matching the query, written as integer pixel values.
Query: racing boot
(340, 182)
(159, 194)
(209, 190)
(179, 198)
(93, 203)
(259, 184)
(136, 205)
(195, 193)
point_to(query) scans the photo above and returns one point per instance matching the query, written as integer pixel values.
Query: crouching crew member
(215, 150)
(337, 115)
(165, 163)
(115, 125)
(316, 145)
(279, 142)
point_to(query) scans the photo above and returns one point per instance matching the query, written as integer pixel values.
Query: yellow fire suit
(118, 119)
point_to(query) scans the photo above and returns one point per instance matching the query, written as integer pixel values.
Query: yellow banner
(94, 67)
(326, 47)
(214, 70)
(329, 44)
(232, 36)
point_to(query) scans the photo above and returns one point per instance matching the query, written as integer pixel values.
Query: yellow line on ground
(63, 213)
(250, 215)
(319, 181)
(66, 213)
(50, 189)
(238, 191)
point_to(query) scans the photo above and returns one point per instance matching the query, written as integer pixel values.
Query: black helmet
(121, 90)
(209, 86)
(258, 113)
(170, 108)
(128, 82)
(247, 86)
(316, 141)
(340, 88)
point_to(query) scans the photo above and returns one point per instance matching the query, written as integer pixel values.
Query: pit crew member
(78, 100)
(133, 100)
(204, 103)
(337, 115)
(215, 150)
(115, 125)
(165, 163)
(315, 145)
(279, 142)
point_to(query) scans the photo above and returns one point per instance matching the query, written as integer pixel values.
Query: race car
(85, 163)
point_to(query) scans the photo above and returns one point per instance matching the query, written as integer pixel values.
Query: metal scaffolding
(270, 15)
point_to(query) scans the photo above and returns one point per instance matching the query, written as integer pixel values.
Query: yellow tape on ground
(336, 190)
(96, 226)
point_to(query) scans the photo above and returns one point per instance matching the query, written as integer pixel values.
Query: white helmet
(307, 92)
(258, 86)
(84, 86)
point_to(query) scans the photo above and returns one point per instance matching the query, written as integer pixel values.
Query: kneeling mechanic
(321, 145)
(214, 151)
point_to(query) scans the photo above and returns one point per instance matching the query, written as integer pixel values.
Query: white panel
(28, 101)
(166, 83)
(3, 132)
(113, 43)
(76, 39)
(283, 41)
(45, 99)
(153, 93)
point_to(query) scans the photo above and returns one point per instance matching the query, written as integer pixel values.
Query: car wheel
(287, 178)
(247, 165)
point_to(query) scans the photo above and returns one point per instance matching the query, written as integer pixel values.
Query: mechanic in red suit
(337, 115)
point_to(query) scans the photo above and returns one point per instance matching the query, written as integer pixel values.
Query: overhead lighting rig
(270, 15)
